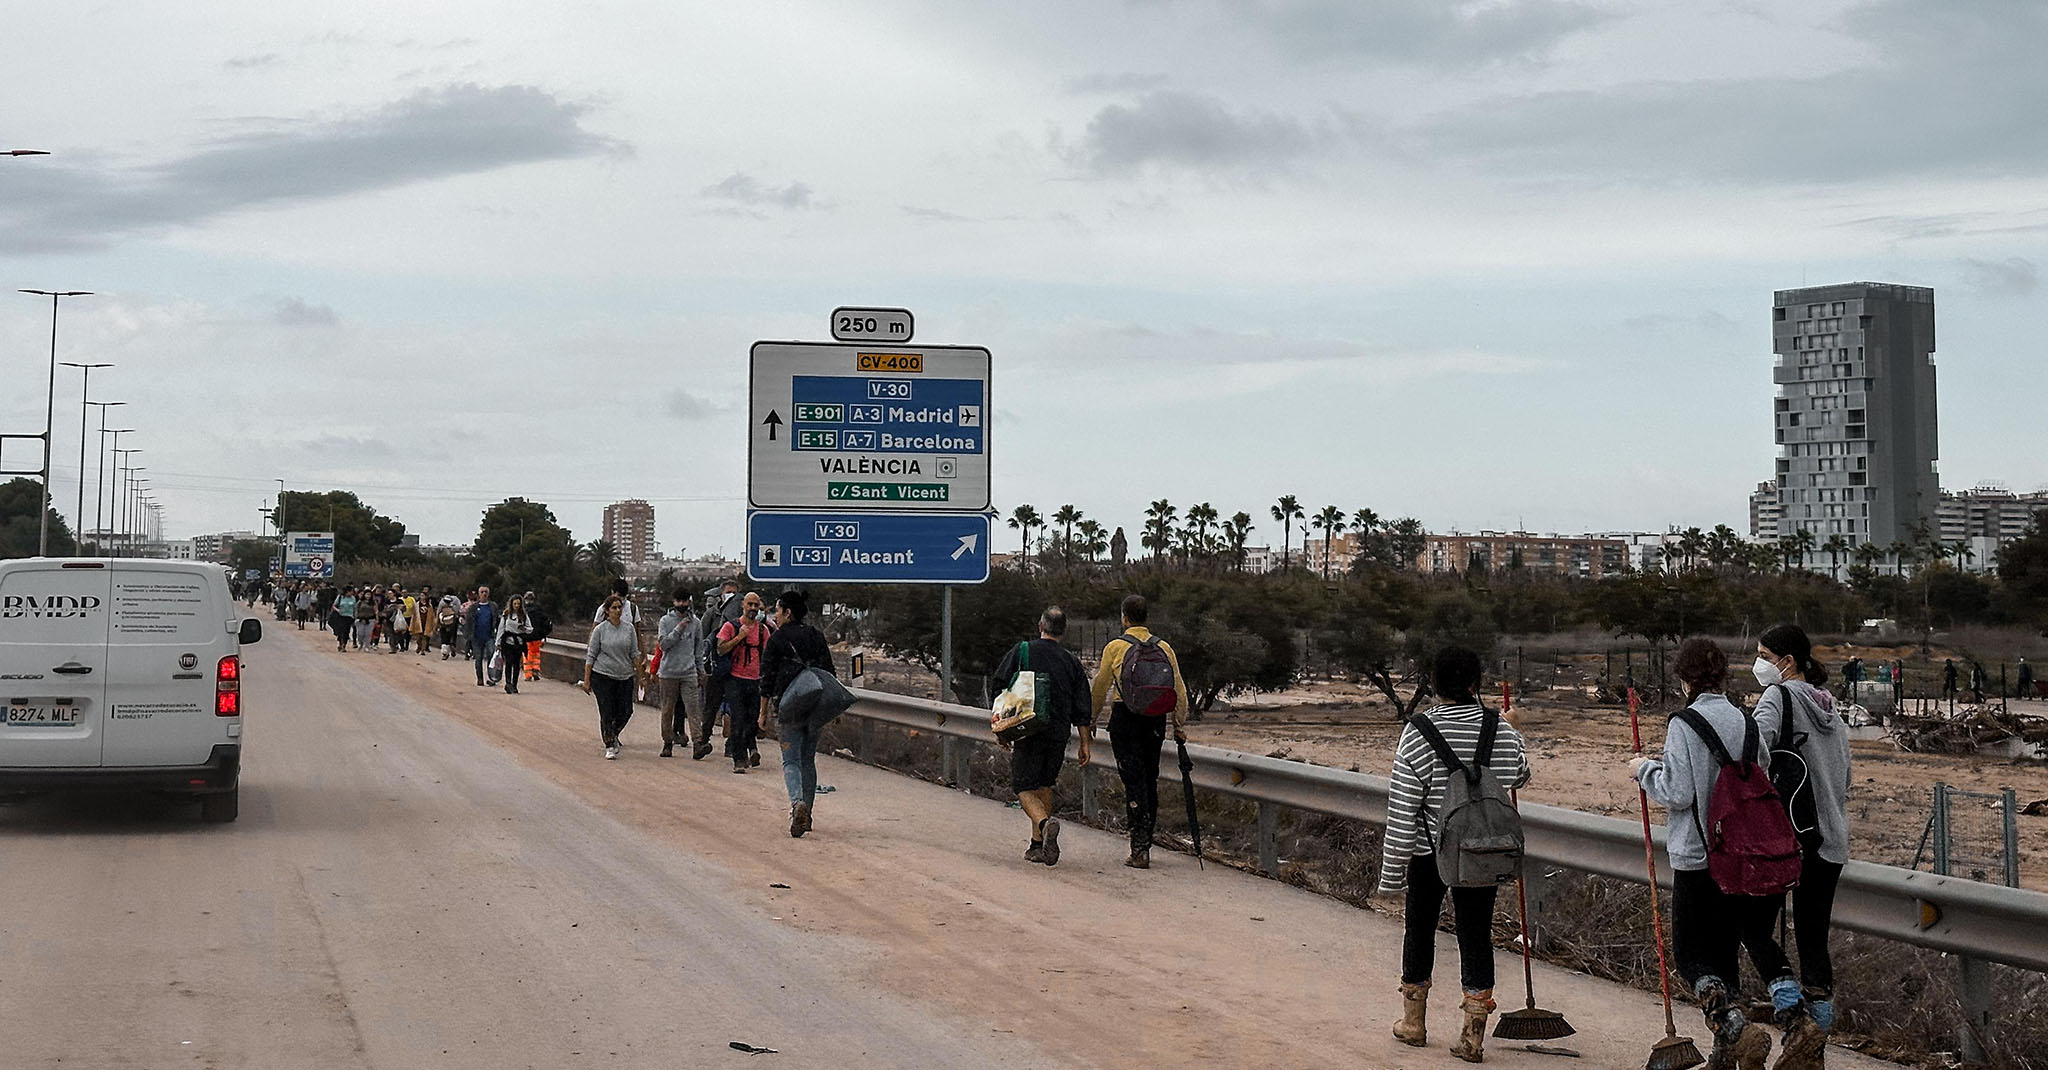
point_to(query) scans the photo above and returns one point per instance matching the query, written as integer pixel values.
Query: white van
(122, 674)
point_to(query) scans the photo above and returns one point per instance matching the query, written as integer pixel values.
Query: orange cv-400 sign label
(902, 363)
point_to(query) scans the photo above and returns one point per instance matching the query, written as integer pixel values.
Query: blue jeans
(799, 761)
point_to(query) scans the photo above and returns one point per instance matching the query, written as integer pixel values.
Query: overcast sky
(1489, 264)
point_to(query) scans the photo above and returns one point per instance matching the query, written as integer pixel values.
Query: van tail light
(227, 687)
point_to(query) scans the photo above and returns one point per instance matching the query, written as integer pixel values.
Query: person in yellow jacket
(1133, 669)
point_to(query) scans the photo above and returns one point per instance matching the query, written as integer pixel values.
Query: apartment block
(629, 527)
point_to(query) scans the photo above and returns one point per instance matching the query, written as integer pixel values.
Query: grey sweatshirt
(613, 649)
(1682, 781)
(1826, 752)
(682, 645)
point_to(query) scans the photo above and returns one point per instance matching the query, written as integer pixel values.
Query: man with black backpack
(1452, 830)
(1146, 677)
(1059, 687)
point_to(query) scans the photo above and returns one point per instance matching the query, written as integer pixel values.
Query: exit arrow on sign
(773, 421)
(966, 546)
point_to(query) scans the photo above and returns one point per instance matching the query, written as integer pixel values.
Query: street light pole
(131, 506)
(84, 392)
(24, 152)
(114, 489)
(50, 414)
(99, 490)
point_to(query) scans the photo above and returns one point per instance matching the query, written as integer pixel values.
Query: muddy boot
(1476, 1007)
(1805, 1042)
(1141, 858)
(1739, 1044)
(1413, 1028)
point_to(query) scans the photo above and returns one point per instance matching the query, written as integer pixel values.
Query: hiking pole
(1529, 1023)
(1674, 1052)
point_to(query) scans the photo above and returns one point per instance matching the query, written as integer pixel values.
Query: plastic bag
(496, 670)
(1018, 712)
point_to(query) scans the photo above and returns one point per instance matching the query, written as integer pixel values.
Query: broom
(1529, 1023)
(1674, 1052)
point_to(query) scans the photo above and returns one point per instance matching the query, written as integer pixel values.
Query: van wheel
(220, 807)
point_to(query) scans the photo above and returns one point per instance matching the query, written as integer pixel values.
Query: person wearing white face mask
(1809, 747)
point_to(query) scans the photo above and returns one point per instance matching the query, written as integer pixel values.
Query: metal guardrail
(1977, 921)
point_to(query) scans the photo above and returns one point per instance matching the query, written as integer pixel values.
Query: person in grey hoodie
(611, 665)
(682, 648)
(1709, 928)
(1797, 715)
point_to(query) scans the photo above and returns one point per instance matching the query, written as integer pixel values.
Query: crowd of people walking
(1757, 801)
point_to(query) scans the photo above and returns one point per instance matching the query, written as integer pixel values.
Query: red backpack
(1145, 680)
(1751, 849)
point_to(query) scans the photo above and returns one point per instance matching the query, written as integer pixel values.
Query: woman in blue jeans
(794, 647)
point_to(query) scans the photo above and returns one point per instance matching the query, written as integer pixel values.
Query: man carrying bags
(1060, 697)
(1149, 691)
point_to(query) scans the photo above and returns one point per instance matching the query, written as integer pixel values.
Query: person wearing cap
(543, 626)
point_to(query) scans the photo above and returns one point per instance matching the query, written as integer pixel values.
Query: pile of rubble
(1970, 730)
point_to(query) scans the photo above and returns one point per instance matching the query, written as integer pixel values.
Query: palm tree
(602, 558)
(1722, 545)
(1201, 517)
(1365, 522)
(1287, 510)
(1330, 521)
(1868, 554)
(1066, 517)
(1022, 520)
(1159, 528)
(1837, 546)
(1898, 551)
(1692, 543)
(1235, 533)
(1406, 540)
(1963, 553)
(1803, 543)
(1094, 540)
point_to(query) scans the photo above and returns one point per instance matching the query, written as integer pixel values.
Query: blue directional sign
(856, 547)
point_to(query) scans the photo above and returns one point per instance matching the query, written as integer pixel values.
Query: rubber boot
(1477, 1007)
(1413, 1028)
(1805, 1043)
(1739, 1044)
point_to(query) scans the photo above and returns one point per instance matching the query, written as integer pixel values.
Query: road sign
(872, 325)
(309, 555)
(847, 547)
(862, 426)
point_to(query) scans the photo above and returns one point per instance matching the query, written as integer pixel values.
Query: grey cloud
(1183, 131)
(1709, 320)
(2011, 277)
(250, 63)
(431, 134)
(742, 188)
(292, 312)
(1456, 33)
(347, 447)
(1119, 84)
(1955, 89)
(687, 406)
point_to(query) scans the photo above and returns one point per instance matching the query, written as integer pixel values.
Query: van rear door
(168, 634)
(53, 663)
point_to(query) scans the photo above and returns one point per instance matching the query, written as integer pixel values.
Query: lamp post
(49, 413)
(114, 489)
(132, 505)
(99, 490)
(127, 481)
(84, 391)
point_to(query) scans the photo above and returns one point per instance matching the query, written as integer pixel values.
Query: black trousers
(1472, 912)
(1709, 930)
(614, 704)
(1136, 741)
(1813, 917)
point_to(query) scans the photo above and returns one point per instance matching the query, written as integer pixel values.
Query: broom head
(1532, 1023)
(1675, 1053)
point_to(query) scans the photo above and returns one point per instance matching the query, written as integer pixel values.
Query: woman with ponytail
(1797, 722)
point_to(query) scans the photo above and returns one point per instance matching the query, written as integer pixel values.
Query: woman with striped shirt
(1409, 862)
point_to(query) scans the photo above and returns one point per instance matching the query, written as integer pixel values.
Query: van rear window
(163, 606)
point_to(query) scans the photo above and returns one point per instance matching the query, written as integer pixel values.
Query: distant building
(1337, 554)
(1261, 559)
(1855, 413)
(217, 547)
(1588, 556)
(1984, 518)
(1645, 548)
(444, 549)
(629, 527)
(1764, 511)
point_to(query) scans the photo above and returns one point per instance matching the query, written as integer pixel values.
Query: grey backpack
(1478, 832)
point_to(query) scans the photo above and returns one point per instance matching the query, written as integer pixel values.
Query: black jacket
(793, 648)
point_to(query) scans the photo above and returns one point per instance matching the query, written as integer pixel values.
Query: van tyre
(221, 807)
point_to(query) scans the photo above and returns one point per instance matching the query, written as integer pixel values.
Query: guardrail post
(866, 741)
(2012, 838)
(1090, 808)
(946, 760)
(1536, 892)
(1940, 821)
(963, 761)
(1974, 990)
(1269, 839)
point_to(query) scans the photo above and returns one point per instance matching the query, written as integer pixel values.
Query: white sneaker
(611, 754)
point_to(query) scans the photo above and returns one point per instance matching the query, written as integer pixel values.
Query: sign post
(309, 555)
(868, 461)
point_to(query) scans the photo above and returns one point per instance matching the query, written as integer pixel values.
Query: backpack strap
(1428, 731)
(1023, 658)
(1711, 738)
(1787, 738)
(1489, 729)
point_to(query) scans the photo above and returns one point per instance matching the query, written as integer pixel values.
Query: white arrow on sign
(966, 546)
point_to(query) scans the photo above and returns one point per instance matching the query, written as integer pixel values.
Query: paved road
(431, 874)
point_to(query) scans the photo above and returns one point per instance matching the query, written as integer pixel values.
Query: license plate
(57, 715)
